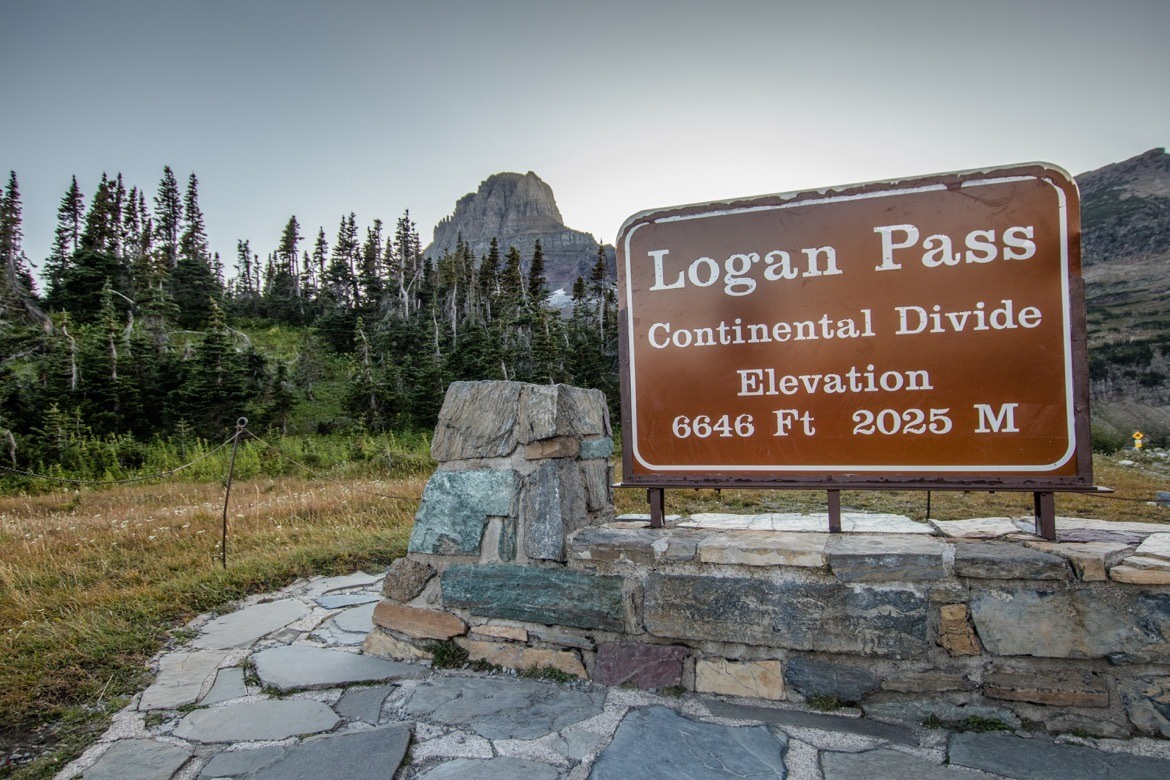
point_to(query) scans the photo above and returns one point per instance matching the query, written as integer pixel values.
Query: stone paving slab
(364, 704)
(851, 522)
(358, 579)
(362, 755)
(241, 763)
(229, 684)
(889, 765)
(270, 719)
(180, 679)
(141, 759)
(502, 708)
(776, 716)
(342, 600)
(657, 742)
(1035, 759)
(300, 667)
(245, 626)
(491, 769)
(357, 620)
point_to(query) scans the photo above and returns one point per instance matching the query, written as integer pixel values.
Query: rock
(502, 768)
(355, 756)
(597, 477)
(357, 620)
(885, 763)
(406, 579)
(232, 763)
(1091, 622)
(856, 558)
(1090, 560)
(635, 663)
(1155, 546)
(1007, 561)
(301, 667)
(558, 447)
(1088, 535)
(141, 759)
(364, 704)
(509, 633)
(784, 718)
(547, 411)
(384, 645)
(245, 626)
(506, 548)
(1076, 724)
(816, 677)
(976, 528)
(418, 623)
(1147, 702)
(928, 682)
(257, 720)
(754, 679)
(517, 210)
(550, 596)
(1039, 759)
(229, 684)
(851, 523)
(919, 710)
(1066, 688)
(343, 600)
(502, 709)
(1138, 575)
(766, 548)
(520, 657)
(604, 543)
(455, 508)
(552, 506)
(955, 633)
(477, 420)
(656, 743)
(600, 448)
(825, 617)
(180, 679)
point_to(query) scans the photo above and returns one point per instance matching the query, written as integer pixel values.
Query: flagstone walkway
(279, 690)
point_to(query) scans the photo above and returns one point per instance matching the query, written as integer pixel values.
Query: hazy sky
(320, 108)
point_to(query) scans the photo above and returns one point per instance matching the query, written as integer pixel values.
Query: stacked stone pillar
(521, 467)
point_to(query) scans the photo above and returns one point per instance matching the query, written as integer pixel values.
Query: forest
(137, 334)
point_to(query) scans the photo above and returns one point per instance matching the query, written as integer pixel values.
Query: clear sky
(319, 108)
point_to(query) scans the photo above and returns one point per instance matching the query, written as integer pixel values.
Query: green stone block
(455, 508)
(551, 597)
(596, 448)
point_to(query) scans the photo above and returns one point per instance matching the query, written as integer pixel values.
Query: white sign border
(641, 220)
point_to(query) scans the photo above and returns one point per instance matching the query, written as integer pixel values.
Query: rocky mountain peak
(517, 210)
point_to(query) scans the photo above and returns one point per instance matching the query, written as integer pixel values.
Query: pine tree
(370, 285)
(101, 229)
(193, 241)
(70, 215)
(168, 219)
(537, 283)
(16, 284)
(489, 279)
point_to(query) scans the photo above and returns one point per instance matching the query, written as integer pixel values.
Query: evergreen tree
(168, 219)
(537, 283)
(193, 241)
(67, 240)
(16, 284)
(489, 279)
(370, 285)
(194, 285)
(102, 228)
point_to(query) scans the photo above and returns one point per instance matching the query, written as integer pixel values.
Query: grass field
(93, 582)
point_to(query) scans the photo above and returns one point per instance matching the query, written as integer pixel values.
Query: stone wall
(516, 556)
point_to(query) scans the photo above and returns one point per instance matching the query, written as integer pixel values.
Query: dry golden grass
(91, 581)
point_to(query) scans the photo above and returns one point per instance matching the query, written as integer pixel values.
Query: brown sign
(929, 330)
